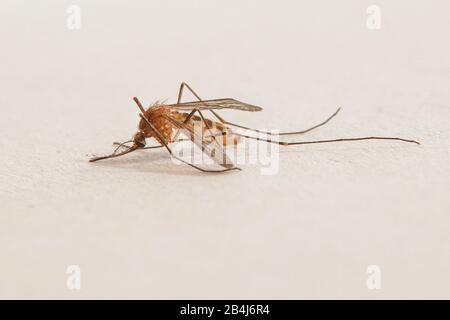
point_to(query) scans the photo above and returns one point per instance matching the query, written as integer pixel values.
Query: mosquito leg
(180, 92)
(279, 134)
(282, 143)
(144, 148)
(165, 144)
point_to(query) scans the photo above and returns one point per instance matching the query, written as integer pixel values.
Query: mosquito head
(139, 139)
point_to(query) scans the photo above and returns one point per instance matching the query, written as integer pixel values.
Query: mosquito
(165, 122)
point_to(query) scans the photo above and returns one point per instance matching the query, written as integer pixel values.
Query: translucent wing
(226, 103)
(213, 150)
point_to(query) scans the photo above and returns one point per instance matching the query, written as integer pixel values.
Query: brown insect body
(158, 114)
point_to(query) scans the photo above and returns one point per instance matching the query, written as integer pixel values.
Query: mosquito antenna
(113, 155)
(119, 145)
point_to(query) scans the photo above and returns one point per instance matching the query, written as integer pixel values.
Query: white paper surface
(143, 227)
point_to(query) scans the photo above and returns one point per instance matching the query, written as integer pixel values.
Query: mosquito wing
(226, 103)
(217, 153)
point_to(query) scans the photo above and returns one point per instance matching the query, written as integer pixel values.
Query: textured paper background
(142, 227)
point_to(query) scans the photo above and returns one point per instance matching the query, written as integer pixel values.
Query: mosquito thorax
(139, 139)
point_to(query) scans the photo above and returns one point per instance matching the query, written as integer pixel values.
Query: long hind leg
(282, 143)
(281, 133)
